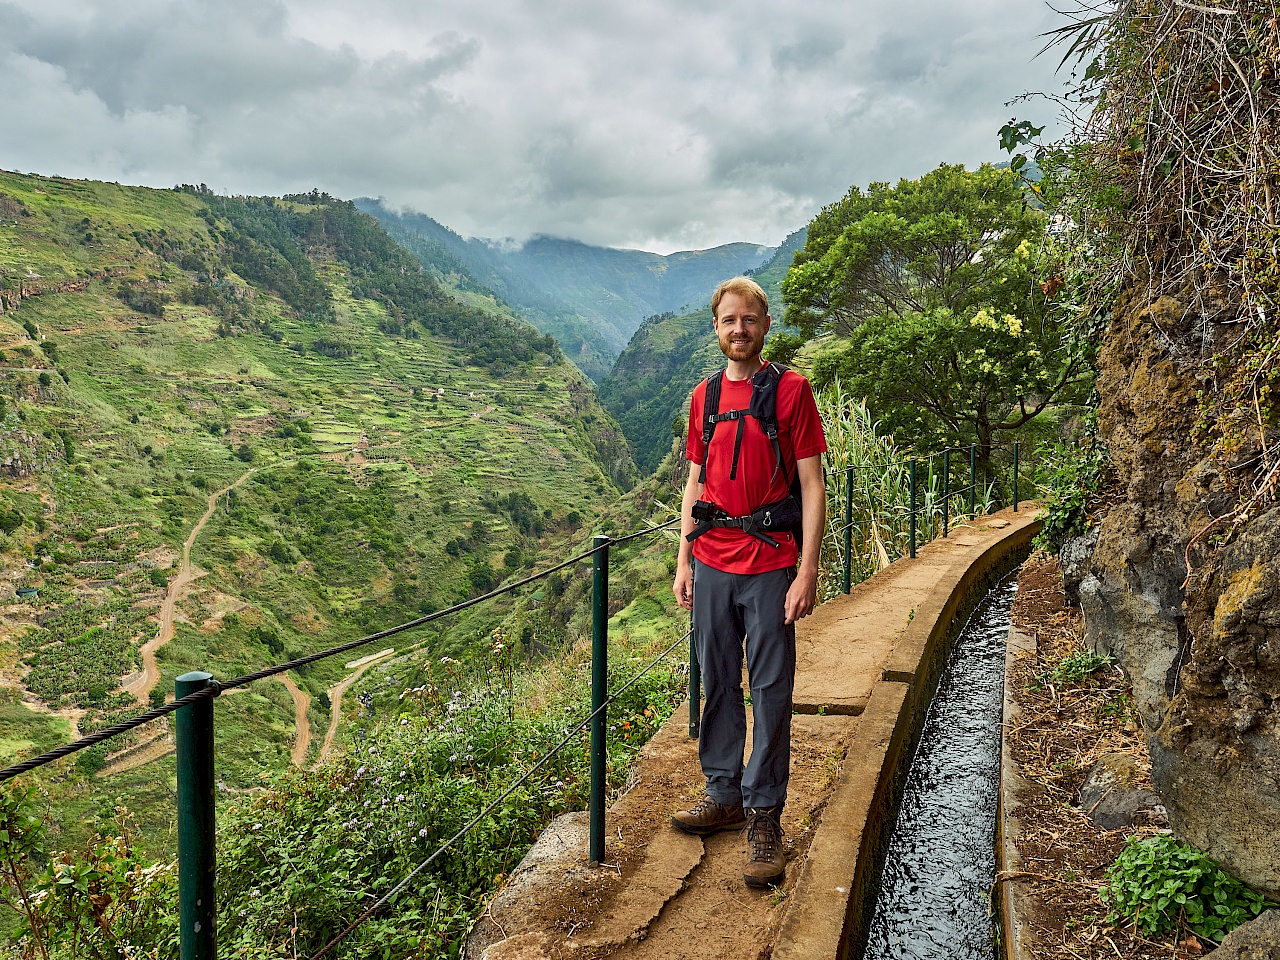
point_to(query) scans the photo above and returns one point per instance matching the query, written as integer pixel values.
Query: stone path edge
(836, 886)
(1009, 897)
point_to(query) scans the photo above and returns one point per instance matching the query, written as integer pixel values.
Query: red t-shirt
(756, 484)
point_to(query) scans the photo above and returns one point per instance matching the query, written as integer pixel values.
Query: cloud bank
(658, 124)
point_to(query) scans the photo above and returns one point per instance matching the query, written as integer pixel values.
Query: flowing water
(941, 858)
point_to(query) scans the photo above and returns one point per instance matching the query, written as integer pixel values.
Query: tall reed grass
(881, 488)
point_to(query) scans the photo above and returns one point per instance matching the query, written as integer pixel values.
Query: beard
(741, 349)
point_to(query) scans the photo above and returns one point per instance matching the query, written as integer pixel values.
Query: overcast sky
(657, 124)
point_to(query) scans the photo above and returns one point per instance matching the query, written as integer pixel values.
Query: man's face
(740, 327)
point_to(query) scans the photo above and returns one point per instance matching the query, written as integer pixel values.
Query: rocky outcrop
(28, 287)
(1111, 797)
(1259, 939)
(1201, 646)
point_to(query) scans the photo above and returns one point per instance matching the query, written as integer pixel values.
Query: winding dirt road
(301, 728)
(335, 701)
(161, 742)
(142, 684)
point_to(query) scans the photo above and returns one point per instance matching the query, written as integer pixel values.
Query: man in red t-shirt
(739, 577)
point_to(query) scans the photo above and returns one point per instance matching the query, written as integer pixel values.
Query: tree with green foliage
(934, 300)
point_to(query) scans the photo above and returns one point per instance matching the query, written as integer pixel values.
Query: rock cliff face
(1203, 651)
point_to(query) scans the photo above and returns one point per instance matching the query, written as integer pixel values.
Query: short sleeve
(807, 437)
(695, 450)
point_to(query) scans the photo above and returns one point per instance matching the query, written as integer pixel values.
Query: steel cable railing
(573, 732)
(195, 745)
(941, 504)
(215, 688)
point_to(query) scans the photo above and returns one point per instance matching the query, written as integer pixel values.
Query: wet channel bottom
(941, 857)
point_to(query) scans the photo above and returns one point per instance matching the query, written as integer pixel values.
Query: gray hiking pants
(728, 608)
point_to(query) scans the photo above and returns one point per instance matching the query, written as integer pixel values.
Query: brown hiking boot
(766, 865)
(709, 816)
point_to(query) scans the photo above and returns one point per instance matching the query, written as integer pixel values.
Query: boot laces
(765, 836)
(706, 804)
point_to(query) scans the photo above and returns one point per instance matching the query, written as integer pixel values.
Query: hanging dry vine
(1175, 166)
(1169, 185)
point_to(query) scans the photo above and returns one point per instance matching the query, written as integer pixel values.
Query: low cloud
(657, 124)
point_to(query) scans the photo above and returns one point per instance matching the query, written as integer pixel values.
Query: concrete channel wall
(836, 891)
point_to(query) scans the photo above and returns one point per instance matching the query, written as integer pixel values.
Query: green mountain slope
(648, 390)
(591, 299)
(276, 383)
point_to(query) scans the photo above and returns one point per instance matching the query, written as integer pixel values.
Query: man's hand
(804, 589)
(683, 586)
(802, 595)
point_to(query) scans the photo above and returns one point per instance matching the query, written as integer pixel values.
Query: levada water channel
(941, 857)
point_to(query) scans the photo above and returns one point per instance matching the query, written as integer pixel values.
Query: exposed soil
(597, 913)
(160, 744)
(142, 683)
(1060, 732)
(301, 726)
(335, 704)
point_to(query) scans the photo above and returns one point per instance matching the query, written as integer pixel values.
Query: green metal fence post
(848, 527)
(946, 491)
(1015, 477)
(973, 478)
(599, 692)
(913, 506)
(695, 683)
(197, 915)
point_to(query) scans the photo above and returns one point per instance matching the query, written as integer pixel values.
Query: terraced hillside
(360, 447)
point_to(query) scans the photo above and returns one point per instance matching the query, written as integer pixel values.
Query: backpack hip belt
(780, 517)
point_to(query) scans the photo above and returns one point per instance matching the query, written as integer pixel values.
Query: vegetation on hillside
(283, 367)
(591, 299)
(1167, 182)
(301, 859)
(269, 245)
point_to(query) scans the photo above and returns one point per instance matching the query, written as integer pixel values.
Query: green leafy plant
(102, 902)
(1073, 478)
(1159, 884)
(23, 832)
(1074, 668)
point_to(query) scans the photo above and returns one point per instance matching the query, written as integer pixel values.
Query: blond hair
(743, 287)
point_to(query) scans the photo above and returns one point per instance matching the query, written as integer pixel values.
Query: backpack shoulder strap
(764, 406)
(710, 407)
